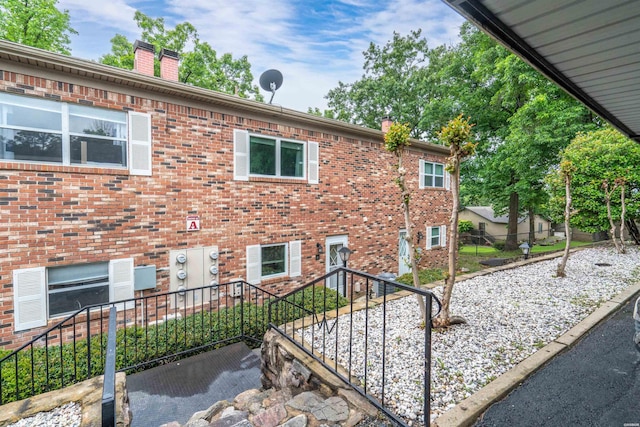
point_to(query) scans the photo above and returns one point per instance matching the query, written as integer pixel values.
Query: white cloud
(314, 45)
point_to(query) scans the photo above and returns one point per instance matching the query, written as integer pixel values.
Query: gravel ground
(68, 415)
(510, 314)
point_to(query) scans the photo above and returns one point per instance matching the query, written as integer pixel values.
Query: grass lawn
(470, 262)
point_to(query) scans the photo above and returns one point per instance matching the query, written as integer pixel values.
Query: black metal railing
(357, 342)
(150, 330)
(109, 380)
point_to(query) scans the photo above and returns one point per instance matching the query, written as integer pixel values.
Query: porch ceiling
(590, 48)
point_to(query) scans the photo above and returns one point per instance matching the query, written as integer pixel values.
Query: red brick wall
(58, 215)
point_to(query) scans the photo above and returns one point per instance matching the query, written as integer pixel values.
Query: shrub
(41, 369)
(464, 226)
(499, 244)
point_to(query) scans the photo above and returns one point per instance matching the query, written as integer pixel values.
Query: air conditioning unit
(381, 288)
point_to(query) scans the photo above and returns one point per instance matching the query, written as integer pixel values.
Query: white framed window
(42, 293)
(273, 260)
(436, 236)
(265, 156)
(39, 130)
(539, 227)
(433, 175)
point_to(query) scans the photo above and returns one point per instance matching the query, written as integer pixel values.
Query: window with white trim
(276, 157)
(433, 175)
(436, 236)
(273, 260)
(46, 292)
(37, 130)
(265, 156)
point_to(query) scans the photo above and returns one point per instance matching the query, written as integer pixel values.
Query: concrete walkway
(595, 383)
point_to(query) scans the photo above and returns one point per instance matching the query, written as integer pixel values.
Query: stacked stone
(277, 408)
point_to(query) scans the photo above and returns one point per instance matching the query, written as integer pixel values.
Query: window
(433, 175)
(273, 260)
(72, 287)
(276, 157)
(46, 131)
(436, 236)
(41, 293)
(539, 227)
(263, 156)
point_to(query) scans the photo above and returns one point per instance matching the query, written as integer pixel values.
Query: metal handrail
(315, 322)
(109, 378)
(150, 329)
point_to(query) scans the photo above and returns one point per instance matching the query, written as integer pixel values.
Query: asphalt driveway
(595, 383)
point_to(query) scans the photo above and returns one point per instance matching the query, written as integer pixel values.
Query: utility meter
(181, 274)
(213, 270)
(181, 258)
(213, 255)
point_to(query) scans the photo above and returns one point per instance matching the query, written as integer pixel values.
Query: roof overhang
(590, 48)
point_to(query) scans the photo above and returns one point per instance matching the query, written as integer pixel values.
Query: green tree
(455, 135)
(396, 140)
(200, 66)
(605, 181)
(36, 23)
(523, 121)
(394, 84)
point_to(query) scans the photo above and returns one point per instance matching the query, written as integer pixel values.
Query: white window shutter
(121, 279)
(421, 175)
(295, 258)
(29, 298)
(428, 238)
(140, 155)
(240, 155)
(254, 264)
(447, 180)
(313, 165)
(443, 236)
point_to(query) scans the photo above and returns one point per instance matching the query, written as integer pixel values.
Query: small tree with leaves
(454, 135)
(566, 171)
(605, 183)
(395, 141)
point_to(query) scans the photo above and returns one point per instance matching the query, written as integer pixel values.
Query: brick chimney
(144, 54)
(169, 65)
(386, 124)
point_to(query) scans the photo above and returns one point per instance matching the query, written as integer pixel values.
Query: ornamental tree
(396, 139)
(605, 182)
(455, 135)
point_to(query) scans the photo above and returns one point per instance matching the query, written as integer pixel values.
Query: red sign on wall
(193, 222)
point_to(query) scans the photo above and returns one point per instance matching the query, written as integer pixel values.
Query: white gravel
(69, 415)
(510, 315)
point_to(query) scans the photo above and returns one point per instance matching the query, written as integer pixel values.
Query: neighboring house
(108, 175)
(485, 221)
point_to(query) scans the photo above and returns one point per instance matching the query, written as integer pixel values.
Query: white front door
(404, 260)
(333, 261)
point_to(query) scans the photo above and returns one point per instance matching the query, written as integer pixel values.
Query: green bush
(136, 345)
(464, 226)
(499, 245)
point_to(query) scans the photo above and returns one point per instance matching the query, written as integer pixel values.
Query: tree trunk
(532, 226)
(567, 227)
(511, 243)
(409, 236)
(607, 199)
(444, 318)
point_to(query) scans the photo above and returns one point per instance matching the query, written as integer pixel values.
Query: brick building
(112, 181)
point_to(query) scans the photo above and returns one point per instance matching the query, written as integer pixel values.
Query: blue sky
(314, 44)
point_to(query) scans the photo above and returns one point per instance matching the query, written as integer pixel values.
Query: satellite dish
(271, 80)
